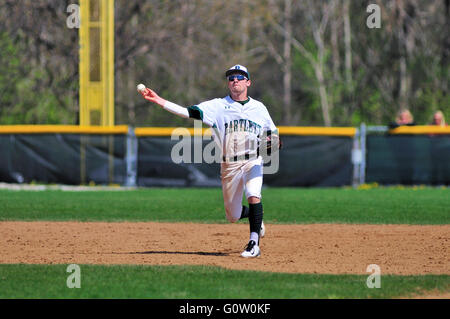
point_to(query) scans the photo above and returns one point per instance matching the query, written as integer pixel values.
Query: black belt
(239, 158)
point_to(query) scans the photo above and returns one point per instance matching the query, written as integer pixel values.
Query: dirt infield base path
(315, 248)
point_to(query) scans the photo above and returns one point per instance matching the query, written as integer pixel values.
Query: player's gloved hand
(274, 142)
(271, 143)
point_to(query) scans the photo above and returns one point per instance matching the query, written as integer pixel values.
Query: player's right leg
(233, 190)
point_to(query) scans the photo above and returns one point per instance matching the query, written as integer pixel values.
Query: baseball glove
(270, 143)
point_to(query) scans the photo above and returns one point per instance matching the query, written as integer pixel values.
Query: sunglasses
(239, 77)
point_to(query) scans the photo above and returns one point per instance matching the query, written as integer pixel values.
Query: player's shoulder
(226, 100)
(223, 101)
(257, 103)
(212, 102)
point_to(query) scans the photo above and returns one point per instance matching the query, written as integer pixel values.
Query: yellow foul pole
(96, 62)
(96, 76)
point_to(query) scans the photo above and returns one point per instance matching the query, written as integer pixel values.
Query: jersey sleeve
(205, 112)
(269, 125)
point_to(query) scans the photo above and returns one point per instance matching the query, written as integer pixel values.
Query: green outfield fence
(311, 156)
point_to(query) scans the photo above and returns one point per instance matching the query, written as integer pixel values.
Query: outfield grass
(49, 281)
(281, 205)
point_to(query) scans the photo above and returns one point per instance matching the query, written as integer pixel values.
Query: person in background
(439, 153)
(403, 149)
(438, 119)
(404, 117)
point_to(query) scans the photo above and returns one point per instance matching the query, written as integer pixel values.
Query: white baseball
(141, 87)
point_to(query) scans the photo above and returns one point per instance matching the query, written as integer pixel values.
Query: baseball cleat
(251, 250)
(262, 232)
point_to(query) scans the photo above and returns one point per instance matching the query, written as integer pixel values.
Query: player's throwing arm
(151, 96)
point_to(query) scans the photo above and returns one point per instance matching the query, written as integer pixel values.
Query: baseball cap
(238, 69)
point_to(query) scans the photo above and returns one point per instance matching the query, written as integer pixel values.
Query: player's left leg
(253, 184)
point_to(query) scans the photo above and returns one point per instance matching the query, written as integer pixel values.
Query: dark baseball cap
(238, 69)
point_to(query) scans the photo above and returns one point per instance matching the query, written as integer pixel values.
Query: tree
(312, 62)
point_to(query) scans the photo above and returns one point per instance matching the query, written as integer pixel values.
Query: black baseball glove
(270, 143)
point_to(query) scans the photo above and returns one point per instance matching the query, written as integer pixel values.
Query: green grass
(120, 281)
(281, 205)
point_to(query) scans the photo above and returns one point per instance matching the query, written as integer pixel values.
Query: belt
(239, 158)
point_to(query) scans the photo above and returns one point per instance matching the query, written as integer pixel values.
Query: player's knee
(232, 216)
(232, 219)
(254, 200)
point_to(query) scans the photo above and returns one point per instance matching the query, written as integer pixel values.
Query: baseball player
(238, 123)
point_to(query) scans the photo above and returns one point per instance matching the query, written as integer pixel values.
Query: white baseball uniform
(237, 129)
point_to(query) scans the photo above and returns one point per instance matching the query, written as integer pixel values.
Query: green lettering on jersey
(242, 125)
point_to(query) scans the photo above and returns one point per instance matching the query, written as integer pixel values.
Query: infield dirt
(312, 248)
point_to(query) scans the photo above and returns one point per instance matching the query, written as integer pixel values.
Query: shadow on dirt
(200, 253)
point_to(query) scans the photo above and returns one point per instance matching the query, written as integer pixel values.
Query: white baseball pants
(237, 177)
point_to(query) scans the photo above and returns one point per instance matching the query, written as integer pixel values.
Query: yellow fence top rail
(326, 131)
(284, 130)
(421, 129)
(62, 129)
(168, 131)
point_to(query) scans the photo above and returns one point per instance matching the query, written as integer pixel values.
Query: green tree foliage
(10, 74)
(340, 71)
